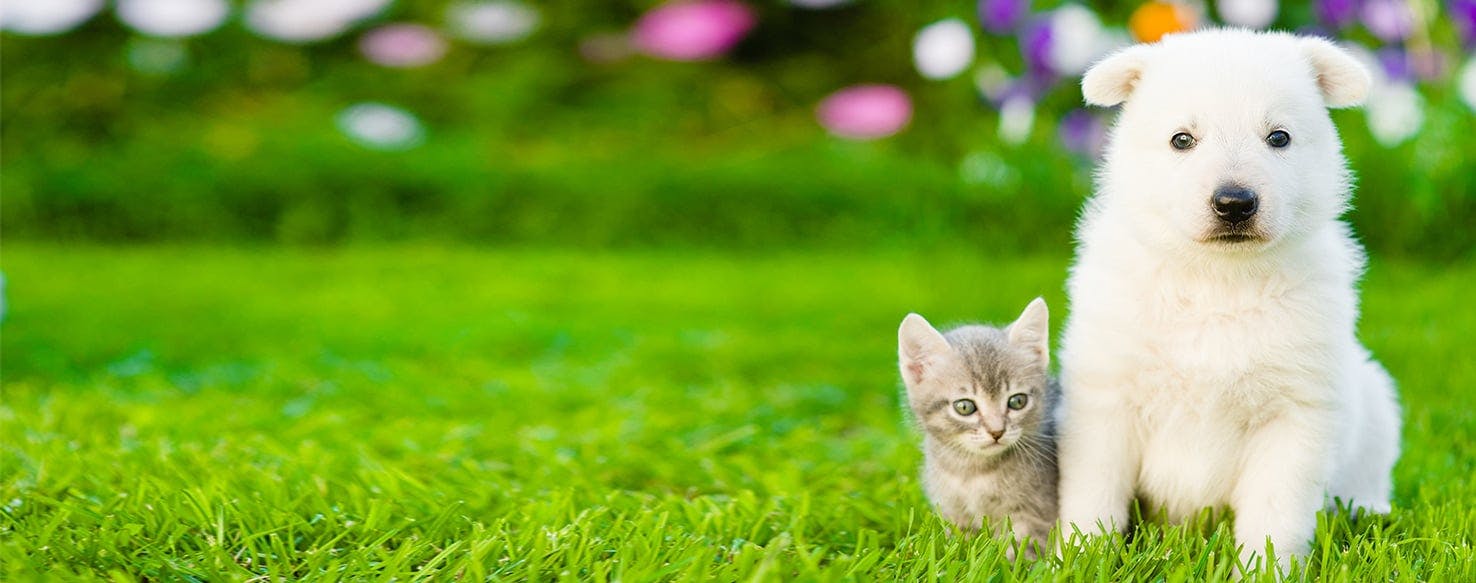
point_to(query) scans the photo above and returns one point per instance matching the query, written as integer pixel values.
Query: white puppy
(1210, 357)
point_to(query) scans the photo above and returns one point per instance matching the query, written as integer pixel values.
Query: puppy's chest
(1223, 346)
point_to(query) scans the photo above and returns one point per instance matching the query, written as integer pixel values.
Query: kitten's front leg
(1098, 460)
(1281, 485)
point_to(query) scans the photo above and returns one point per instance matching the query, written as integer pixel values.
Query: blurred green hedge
(531, 145)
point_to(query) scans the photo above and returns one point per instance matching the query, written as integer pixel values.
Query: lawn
(185, 413)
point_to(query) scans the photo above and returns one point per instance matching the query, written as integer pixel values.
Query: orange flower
(1154, 19)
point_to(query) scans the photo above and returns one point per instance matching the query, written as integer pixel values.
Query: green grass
(409, 413)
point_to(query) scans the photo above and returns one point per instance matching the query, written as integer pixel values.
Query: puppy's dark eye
(1182, 141)
(1017, 401)
(965, 406)
(1279, 139)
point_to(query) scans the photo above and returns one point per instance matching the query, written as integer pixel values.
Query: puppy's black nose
(1235, 204)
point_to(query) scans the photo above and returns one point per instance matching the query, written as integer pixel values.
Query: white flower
(1247, 13)
(1395, 113)
(46, 17)
(308, 20)
(381, 127)
(943, 49)
(1468, 83)
(1078, 39)
(499, 22)
(173, 18)
(1016, 117)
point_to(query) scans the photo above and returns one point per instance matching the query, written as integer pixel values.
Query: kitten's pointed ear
(1343, 81)
(1111, 80)
(919, 346)
(1032, 330)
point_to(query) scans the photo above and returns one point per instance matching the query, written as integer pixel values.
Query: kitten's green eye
(965, 406)
(1017, 401)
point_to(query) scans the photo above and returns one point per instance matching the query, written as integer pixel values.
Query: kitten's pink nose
(996, 434)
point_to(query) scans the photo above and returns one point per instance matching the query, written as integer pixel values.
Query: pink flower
(402, 45)
(865, 112)
(692, 30)
(1390, 20)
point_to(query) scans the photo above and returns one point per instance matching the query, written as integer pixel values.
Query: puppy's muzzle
(1234, 204)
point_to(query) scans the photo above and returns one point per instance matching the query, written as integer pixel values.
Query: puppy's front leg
(1281, 485)
(1098, 460)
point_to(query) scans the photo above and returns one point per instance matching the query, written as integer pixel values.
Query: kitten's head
(978, 389)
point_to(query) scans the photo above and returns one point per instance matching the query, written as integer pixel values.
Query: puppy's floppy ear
(919, 346)
(1110, 81)
(1343, 81)
(1032, 330)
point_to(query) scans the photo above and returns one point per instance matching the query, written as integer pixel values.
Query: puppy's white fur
(1202, 373)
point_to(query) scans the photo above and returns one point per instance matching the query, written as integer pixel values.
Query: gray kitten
(985, 401)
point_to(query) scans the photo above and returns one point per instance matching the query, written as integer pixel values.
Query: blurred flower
(1154, 19)
(1031, 86)
(492, 23)
(943, 49)
(1397, 64)
(1077, 39)
(1335, 13)
(692, 30)
(300, 21)
(819, 4)
(605, 48)
(46, 17)
(1427, 64)
(1394, 64)
(1016, 117)
(156, 56)
(1247, 13)
(1035, 45)
(1390, 20)
(1002, 16)
(988, 169)
(1463, 12)
(1467, 80)
(173, 18)
(402, 45)
(381, 127)
(865, 112)
(992, 81)
(1395, 113)
(1082, 133)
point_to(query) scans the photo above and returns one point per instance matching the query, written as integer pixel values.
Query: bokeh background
(608, 289)
(708, 123)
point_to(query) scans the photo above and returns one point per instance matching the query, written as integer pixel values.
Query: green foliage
(204, 414)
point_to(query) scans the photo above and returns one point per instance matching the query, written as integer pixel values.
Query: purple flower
(1395, 63)
(692, 30)
(1031, 87)
(1001, 16)
(402, 45)
(865, 112)
(1389, 20)
(1336, 13)
(1463, 12)
(1082, 133)
(1035, 45)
